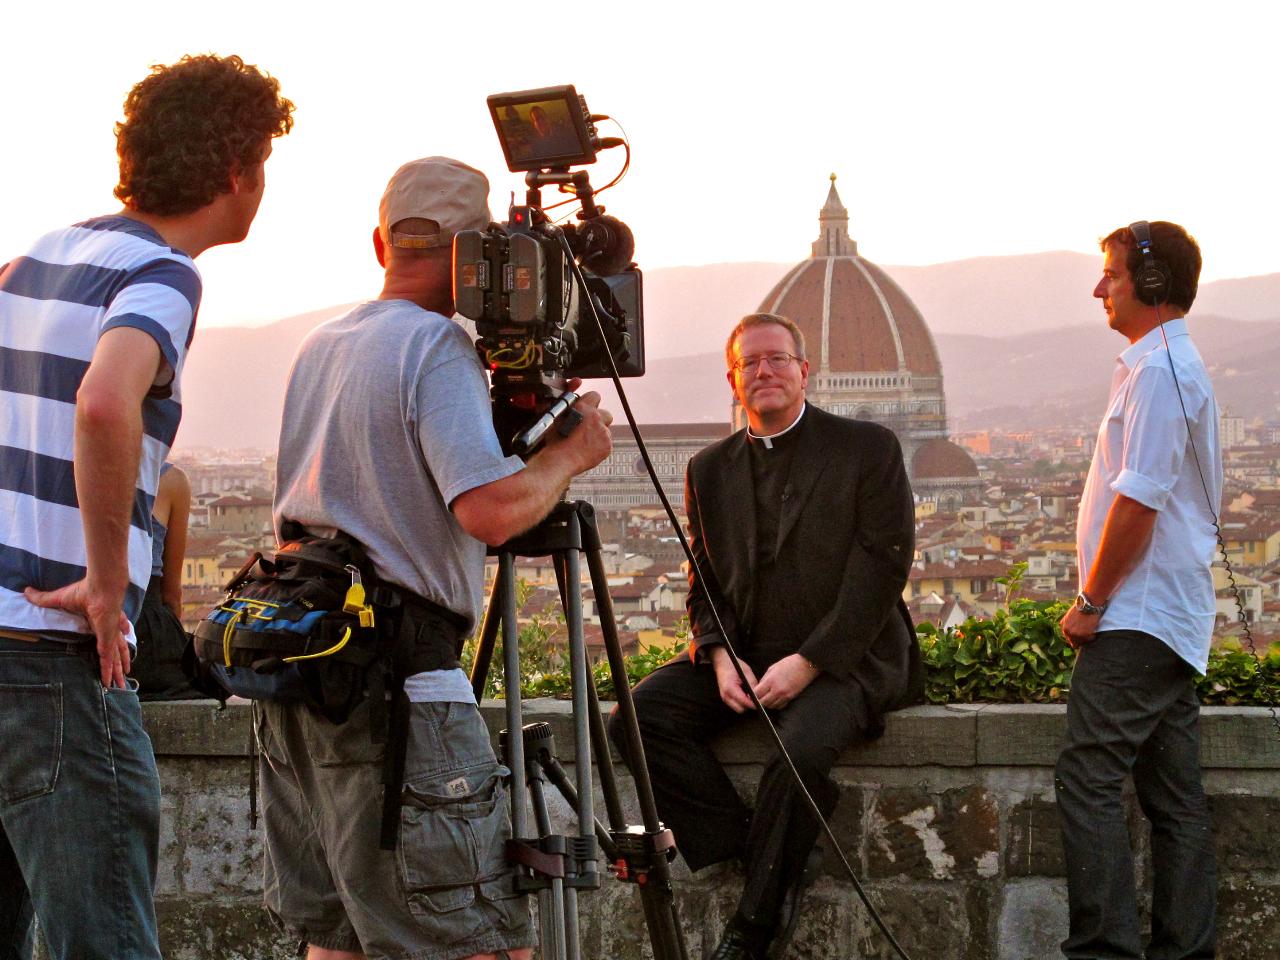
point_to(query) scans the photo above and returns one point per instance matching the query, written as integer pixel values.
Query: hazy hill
(233, 383)
(1062, 376)
(1020, 382)
(1022, 344)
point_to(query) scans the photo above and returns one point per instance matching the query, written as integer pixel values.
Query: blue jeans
(79, 809)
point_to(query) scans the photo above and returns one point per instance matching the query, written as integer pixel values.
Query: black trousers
(1133, 709)
(161, 641)
(680, 712)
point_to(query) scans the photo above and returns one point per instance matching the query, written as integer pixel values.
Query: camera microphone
(604, 244)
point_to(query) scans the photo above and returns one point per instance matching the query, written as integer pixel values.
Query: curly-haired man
(95, 322)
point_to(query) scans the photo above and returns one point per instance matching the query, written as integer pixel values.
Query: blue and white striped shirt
(71, 287)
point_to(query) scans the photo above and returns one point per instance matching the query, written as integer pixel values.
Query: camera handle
(562, 410)
(535, 180)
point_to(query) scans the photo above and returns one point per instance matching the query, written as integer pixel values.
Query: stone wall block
(824, 930)
(198, 728)
(217, 929)
(1140, 848)
(220, 854)
(848, 823)
(927, 919)
(1245, 831)
(1248, 919)
(1033, 920)
(613, 923)
(1009, 735)
(917, 834)
(1238, 738)
(982, 902)
(1033, 847)
(168, 876)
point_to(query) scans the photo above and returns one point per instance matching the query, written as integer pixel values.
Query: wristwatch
(1087, 606)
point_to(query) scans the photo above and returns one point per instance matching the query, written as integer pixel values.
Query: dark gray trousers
(1133, 709)
(680, 712)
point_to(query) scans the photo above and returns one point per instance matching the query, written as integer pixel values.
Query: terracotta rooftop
(674, 431)
(939, 459)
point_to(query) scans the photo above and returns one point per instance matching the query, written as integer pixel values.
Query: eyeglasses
(777, 361)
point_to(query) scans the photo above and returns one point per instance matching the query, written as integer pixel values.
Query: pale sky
(957, 129)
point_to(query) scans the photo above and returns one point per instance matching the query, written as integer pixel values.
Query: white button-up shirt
(1144, 453)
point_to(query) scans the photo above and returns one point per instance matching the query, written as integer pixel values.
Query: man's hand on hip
(103, 611)
(731, 689)
(784, 681)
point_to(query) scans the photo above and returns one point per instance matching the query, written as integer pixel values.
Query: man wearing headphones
(1144, 616)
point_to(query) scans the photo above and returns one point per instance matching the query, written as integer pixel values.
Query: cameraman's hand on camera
(495, 512)
(589, 442)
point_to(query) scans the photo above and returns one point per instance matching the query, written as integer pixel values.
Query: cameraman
(388, 436)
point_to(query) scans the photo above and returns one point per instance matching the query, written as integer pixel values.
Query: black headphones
(1153, 279)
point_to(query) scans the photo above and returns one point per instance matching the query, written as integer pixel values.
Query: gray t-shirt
(386, 421)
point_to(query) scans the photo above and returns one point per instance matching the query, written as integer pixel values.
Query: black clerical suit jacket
(845, 544)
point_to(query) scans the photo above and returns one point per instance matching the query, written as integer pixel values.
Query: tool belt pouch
(297, 627)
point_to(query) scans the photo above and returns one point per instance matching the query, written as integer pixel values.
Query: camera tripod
(555, 866)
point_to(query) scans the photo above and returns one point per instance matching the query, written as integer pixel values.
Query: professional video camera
(549, 302)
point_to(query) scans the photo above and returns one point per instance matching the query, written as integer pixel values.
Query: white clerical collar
(768, 441)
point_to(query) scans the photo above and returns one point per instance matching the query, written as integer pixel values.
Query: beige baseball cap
(451, 193)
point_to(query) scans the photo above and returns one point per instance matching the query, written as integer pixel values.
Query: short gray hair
(759, 320)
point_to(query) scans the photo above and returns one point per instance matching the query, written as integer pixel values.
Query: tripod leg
(552, 917)
(622, 690)
(571, 589)
(604, 760)
(511, 674)
(657, 896)
(488, 634)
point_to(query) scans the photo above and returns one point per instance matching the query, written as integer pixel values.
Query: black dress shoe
(735, 945)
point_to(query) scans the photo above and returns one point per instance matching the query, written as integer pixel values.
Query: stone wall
(948, 820)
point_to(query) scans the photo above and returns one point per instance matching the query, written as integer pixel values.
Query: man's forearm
(108, 446)
(1126, 536)
(539, 485)
(498, 511)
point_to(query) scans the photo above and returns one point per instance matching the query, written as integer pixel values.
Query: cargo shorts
(445, 892)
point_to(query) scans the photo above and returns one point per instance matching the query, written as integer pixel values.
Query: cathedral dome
(940, 459)
(871, 356)
(855, 319)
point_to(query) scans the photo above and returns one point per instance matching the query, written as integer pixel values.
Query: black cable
(1217, 531)
(728, 644)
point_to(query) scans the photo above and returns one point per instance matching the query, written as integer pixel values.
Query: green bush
(1017, 656)
(544, 670)
(1238, 677)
